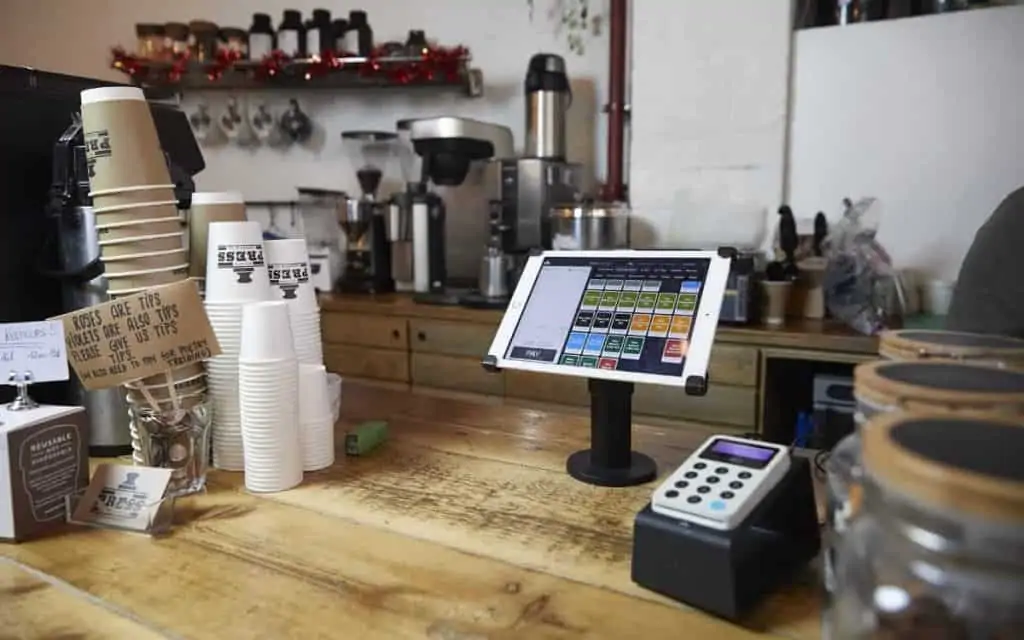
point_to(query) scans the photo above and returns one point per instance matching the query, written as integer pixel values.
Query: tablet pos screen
(626, 314)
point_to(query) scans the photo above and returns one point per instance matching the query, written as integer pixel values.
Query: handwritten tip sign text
(34, 348)
(138, 336)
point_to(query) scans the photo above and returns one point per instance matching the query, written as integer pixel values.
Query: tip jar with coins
(937, 550)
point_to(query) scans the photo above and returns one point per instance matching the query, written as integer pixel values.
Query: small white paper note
(123, 497)
(34, 347)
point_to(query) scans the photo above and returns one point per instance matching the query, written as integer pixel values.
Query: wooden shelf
(305, 74)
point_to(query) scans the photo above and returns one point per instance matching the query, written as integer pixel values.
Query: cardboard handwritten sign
(138, 336)
(33, 347)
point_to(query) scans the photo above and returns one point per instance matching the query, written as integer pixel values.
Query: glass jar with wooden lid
(977, 348)
(886, 387)
(937, 551)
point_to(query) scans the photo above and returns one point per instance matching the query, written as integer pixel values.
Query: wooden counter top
(464, 526)
(797, 334)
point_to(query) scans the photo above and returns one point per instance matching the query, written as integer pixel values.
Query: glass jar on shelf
(937, 549)
(150, 43)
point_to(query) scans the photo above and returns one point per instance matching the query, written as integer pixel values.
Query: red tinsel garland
(433, 63)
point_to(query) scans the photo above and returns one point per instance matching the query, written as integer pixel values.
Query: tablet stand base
(610, 462)
(727, 573)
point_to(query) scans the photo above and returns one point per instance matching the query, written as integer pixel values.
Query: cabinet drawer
(361, 362)
(365, 330)
(458, 374)
(545, 387)
(734, 365)
(723, 404)
(450, 338)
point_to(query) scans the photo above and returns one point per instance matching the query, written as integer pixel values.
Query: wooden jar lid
(914, 344)
(967, 465)
(940, 385)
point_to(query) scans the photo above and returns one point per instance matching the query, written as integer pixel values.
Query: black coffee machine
(448, 146)
(49, 256)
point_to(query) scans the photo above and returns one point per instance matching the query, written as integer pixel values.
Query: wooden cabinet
(392, 339)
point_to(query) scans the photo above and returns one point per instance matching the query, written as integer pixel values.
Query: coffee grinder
(364, 219)
(447, 146)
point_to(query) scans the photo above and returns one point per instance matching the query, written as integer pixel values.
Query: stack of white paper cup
(316, 421)
(288, 264)
(231, 245)
(207, 207)
(268, 382)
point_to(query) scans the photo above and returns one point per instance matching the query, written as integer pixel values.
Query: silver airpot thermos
(548, 97)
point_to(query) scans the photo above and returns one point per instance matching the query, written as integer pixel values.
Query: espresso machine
(49, 252)
(447, 147)
(364, 219)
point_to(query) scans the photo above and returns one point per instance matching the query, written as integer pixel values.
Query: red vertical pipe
(618, 22)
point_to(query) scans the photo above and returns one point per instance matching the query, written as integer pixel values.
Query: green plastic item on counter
(366, 437)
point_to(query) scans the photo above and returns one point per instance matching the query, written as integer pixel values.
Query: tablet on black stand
(617, 318)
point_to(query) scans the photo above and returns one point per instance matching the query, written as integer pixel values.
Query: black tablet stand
(610, 461)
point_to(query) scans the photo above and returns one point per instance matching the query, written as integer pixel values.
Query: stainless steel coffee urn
(548, 96)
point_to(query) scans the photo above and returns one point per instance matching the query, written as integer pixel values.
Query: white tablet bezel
(705, 320)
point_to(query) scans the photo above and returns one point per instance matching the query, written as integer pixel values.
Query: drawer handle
(421, 336)
(395, 334)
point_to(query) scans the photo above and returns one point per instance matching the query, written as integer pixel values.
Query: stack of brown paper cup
(141, 234)
(207, 207)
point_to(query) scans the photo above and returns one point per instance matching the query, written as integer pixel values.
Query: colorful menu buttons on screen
(594, 345)
(596, 284)
(584, 319)
(690, 286)
(686, 304)
(575, 342)
(609, 300)
(602, 322)
(590, 299)
(632, 347)
(640, 324)
(633, 285)
(627, 300)
(674, 351)
(666, 302)
(646, 301)
(651, 285)
(620, 323)
(680, 327)
(613, 285)
(570, 360)
(588, 361)
(613, 345)
(659, 326)
(608, 363)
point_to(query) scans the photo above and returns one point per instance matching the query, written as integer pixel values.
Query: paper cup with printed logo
(207, 207)
(144, 261)
(155, 210)
(236, 270)
(288, 264)
(122, 147)
(131, 196)
(133, 245)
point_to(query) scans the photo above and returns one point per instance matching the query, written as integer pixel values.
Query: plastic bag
(859, 270)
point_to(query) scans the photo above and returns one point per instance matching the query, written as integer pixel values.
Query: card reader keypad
(718, 486)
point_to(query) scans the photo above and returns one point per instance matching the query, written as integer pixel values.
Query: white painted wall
(925, 114)
(709, 101)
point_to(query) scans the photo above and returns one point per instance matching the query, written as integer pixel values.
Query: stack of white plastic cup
(288, 264)
(268, 382)
(316, 421)
(236, 276)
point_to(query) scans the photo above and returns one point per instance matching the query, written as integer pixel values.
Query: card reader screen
(740, 453)
(623, 314)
